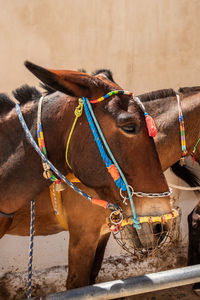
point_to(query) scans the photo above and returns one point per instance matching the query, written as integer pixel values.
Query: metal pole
(131, 286)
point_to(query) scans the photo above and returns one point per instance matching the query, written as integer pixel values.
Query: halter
(111, 163)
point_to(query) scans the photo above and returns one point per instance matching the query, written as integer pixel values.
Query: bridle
(115, 170)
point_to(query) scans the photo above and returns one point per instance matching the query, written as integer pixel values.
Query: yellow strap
(78, 112)
(71, 177)
(58, 209)
(153, 219)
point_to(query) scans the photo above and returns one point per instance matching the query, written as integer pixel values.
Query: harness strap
(152, 219)
(4, 215)
(71, 177)
(41, 142)
(56, 200)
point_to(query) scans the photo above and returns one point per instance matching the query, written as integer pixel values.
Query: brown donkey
(168, 141)
(163, 106)
(123, 125)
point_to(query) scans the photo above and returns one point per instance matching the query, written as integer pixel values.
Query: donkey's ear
(69, 82)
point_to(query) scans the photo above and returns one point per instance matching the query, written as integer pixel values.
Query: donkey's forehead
(121, 104)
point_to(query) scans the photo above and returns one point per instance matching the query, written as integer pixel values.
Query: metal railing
(131, 286)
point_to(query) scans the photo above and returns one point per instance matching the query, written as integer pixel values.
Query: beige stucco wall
(148, 44)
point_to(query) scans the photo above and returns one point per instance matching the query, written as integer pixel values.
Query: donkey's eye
(130, 128)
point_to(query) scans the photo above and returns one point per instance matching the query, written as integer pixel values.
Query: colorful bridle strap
(40, 135)
(182, 131)
(183, 139)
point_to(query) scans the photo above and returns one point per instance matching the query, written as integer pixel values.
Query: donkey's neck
(20, 166)
(168, 140)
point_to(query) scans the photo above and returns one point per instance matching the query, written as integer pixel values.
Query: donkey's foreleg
(82, 249)
(194, 241)
(99, 257)
(5, 223)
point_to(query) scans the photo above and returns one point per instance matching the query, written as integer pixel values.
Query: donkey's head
(123, 125)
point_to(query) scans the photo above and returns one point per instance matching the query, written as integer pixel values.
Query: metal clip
(116, 217)
(124, 200)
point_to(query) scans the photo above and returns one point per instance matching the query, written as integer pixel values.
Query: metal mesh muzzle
(159, 238)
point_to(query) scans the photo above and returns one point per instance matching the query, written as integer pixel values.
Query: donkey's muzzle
(155, 233)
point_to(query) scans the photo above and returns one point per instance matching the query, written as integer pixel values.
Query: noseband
(111, 164)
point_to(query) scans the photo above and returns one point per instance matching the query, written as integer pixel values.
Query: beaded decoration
(40, 135)
(182, 132)
(112, 93)
(151, 127)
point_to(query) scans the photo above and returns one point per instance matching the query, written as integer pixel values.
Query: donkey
(124, 127)
(164, 109)
(162, 105)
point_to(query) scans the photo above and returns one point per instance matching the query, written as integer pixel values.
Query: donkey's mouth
(152, 235)
(149, 237)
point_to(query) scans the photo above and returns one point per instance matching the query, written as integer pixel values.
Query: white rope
(184, 188)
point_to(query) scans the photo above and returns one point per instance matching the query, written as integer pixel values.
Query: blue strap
(119, 182)
(122, 180)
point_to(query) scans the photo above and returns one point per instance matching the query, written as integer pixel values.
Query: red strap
(99, 202)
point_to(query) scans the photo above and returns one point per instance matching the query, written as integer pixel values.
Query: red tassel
(152, 130)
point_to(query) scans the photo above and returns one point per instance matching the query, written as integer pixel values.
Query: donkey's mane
(26, 93)
(6, 104)
(157, 95)
(187, 90)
